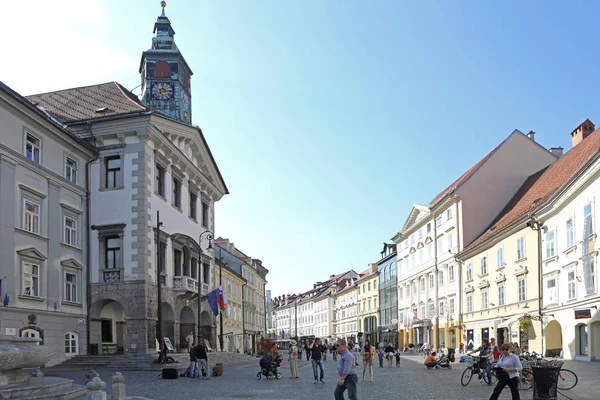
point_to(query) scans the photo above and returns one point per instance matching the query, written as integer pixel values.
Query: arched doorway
(168, 323)
(595, 335)
(186, 325)
(206, 324)
(553, 339)
(107, 328)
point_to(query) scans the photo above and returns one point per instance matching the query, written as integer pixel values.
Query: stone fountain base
(17, 353)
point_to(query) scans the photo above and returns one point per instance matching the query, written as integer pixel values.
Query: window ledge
(33, 298)
(590, 295)
(177, 208)
(570, 249)
(520, 260)
(36, 235)
(482, 275)
(469, 280)
(193, 219)
(160, 196)
(70, 246)
(111, 189)
(501, 267)
(71, 303)
(574, 299)
(550, 259)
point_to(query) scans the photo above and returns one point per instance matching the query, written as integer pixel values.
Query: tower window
(161, 70)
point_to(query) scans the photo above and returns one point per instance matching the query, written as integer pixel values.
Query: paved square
(410, 381)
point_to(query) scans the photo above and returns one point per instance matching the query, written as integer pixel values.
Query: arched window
(30, 333)
(71, 344)
(161, 69)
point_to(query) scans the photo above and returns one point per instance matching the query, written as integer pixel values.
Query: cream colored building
(368, 304)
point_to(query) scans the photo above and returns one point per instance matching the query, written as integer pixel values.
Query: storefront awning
(510, 321)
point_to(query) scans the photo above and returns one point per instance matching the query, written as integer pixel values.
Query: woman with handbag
(507, 370)
(368, 354)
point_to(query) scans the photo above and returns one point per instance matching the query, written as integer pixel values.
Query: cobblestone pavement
(410, 381)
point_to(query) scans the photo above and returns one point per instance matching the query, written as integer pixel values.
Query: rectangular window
(469, 272)
(420, 233)
(160, 180)
(451, 273)
(32, 147)
(483, 265)
(412, 238)
(450, 242)
(440, 278)
(522, 292)
(587, 211)
(429, 251)
(451, 306)
(31, 217)
(501, 298)
(431, 281)
(176, 193)
(71, 170)
(484, 300)
(449, 213)
(400, 293)
(70, 236)
(500, 258)
(71, 287)
(439, 245)
(551, 292)
(572, 285)
(429, 227)
(521, 248)
(438, 221)
(113, 252)
(112, 166)
(550, 245)
(193, 204)
(570, 233)
(469, 303)
(31, 282)
(422, 284)
(205, 209)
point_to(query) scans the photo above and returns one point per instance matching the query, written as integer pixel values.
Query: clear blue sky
(329, 119)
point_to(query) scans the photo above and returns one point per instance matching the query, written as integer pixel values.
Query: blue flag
(211, 298)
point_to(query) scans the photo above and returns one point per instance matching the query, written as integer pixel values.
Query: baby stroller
(269, 366)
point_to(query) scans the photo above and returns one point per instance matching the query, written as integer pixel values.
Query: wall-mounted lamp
(596, 307)
(492, 304)
(578, 279)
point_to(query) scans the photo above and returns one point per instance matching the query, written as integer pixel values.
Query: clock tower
(165, 74)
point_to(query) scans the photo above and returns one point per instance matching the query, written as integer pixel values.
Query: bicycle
(474, 369)
(567, 379)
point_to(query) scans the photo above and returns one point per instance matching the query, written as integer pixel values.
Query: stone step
(36, 386)
(74, 392)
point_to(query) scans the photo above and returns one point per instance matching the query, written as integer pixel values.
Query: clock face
(162, 90)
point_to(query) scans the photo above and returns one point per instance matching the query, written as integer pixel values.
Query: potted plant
(524, 325)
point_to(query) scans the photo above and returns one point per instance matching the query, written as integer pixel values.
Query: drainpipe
(88, 241)
(436, 281)
(458, 276)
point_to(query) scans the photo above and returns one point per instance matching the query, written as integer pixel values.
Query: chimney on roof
(581, 132)
(531, 135)
(557, 151)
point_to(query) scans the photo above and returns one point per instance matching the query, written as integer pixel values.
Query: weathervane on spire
(163, 4)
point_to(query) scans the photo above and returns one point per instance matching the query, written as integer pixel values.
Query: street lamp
(209, 236)
(159, 319)
(535, 224)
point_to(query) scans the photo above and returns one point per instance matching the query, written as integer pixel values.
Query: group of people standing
(198, 359)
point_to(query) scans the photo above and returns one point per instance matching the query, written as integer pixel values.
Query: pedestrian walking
(368, 356)
(293, 359)
(300, 351)
(316, 360)
(380, 356)
(389, 354)
(193, 370)
(190, 341)
(347, 373)
(507, 371)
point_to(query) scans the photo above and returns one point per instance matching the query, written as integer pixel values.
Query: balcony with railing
(112, 275)
(185, 285)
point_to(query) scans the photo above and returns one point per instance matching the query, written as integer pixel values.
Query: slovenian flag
(222, 301)
(217, 301)
(6, 297)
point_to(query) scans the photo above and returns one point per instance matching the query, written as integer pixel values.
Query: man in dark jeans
(316, 359)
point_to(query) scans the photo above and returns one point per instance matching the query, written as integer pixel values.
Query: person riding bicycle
(486, 357)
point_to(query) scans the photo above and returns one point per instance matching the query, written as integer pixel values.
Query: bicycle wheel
(485, 377)
(566, 379)
(466, 376)
(525, 380)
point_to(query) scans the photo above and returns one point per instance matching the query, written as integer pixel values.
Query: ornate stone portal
(17, 353)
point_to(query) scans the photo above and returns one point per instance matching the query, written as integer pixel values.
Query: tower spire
(163, 4)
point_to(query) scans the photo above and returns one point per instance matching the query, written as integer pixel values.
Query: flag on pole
(211, 298)
(6, 299)
(225, 311)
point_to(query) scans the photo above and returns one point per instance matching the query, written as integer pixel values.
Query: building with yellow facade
(368, 304)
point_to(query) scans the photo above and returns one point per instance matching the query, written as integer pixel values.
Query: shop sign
(583, 314)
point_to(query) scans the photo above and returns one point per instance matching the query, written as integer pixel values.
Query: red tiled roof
(540, 187)
(464, 177)
(85, 103)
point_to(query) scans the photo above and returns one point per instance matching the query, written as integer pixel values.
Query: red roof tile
(88, 102)
(540, 187)
(464, 177)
